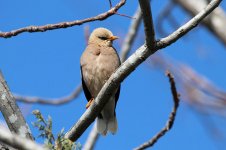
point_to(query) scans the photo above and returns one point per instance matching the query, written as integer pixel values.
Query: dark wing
(117, 95)
(85, 89)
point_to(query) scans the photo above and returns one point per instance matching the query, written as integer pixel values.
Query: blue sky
(47, 65)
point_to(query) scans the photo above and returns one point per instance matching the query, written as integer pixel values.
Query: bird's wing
(87, 59)
(85, 89)
(117, 95)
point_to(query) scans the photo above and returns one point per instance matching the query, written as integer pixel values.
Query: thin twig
(53, 101)
(171, 119)
(110, 3)
(131, 34)
(124, 15)
(127, 68)
(47, 27)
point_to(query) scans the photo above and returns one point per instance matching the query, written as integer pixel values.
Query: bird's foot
(89, 103)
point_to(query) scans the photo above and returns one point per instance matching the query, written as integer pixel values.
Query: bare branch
(171, 119)
(148, 22)
(189, 25)
(11, 112)
(47, 27)
(128, 67)
(215, 22)
(17, 142)
(110, 3)
(92, 138)
(133, 29)
(54, 101)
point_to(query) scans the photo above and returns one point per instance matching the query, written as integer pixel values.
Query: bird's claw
(89, 103)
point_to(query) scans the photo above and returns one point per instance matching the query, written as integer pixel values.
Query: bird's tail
(107, 125)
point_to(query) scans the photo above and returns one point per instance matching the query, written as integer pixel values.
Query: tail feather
(112, 125)
(107, 125)
(101, 126)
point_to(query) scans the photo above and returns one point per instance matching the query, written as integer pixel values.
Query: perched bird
(98, 62)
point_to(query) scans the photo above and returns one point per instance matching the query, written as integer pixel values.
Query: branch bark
(47, 27)
(17, 142)
(3, 146)
(129, 66)
(148, 23)
(214, 22)
(11, 112)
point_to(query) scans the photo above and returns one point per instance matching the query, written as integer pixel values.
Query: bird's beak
(112, 38)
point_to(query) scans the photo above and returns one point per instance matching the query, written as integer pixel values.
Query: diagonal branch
(55, 101)
(11, 111)
(215, 22)
(47, 27)
(171, 119)
(128, 67)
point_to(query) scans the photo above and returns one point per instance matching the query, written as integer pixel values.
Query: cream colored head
(102, 36)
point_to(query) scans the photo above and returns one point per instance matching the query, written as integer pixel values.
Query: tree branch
(47, 27)
(54, 101)
(17, 142)
(215, 22)
(148, 22)
(189, 25)
(92, 138)
(171, 119)
(11, 112)
(129, 66)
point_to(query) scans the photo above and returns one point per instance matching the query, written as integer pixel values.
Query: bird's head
(102, 36)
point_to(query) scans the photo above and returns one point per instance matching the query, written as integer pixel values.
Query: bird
(97, 63)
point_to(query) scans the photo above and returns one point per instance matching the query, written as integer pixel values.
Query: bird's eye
(102, 38)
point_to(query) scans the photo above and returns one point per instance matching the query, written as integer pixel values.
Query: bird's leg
(89, 103)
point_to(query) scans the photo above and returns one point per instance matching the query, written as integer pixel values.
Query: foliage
(52, 142)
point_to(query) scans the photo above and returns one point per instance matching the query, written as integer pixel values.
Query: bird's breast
(100, 72)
